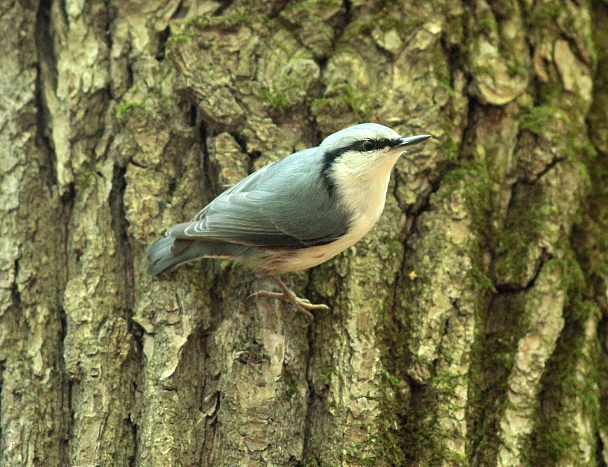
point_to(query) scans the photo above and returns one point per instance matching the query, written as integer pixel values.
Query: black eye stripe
(371, 144)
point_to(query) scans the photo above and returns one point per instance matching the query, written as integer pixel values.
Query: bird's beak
(411, 141)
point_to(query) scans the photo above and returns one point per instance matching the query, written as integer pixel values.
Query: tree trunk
(470, 327)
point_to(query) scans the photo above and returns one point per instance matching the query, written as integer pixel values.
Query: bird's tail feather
(164, 255)
(169, 252)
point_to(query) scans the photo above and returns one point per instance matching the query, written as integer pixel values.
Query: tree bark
(470, 327)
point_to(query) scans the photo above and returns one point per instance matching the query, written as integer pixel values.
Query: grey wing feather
(283, 205)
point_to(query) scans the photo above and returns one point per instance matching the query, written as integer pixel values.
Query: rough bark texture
(470, 327)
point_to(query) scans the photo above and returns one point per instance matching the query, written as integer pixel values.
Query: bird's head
(368, 148)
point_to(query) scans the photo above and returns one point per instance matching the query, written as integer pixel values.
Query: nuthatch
(295, 213)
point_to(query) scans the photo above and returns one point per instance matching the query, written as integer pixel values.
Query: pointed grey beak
(412, 140)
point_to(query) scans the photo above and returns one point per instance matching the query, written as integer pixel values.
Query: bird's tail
(164, 255)
(169, 252)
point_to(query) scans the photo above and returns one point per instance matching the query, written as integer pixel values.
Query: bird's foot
(303, 305)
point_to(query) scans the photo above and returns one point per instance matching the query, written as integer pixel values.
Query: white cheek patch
(354, 164)
(362, 183)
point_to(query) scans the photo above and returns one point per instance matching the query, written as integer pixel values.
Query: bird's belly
(313, 256)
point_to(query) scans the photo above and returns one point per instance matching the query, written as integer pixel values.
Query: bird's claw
(303, 305)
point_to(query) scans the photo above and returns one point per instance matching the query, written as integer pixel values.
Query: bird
(295, 213)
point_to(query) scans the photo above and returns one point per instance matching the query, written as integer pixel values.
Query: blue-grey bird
(294, 213)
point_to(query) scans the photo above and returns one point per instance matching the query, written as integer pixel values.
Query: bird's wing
(292, 210)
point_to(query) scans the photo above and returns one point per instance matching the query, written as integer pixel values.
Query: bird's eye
(368, 145)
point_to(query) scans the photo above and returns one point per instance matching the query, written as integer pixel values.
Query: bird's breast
(366, 207)
(363, 196)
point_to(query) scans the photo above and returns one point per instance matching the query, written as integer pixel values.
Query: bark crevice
(46, 80)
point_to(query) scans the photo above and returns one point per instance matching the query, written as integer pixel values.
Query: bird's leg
(288, 296)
